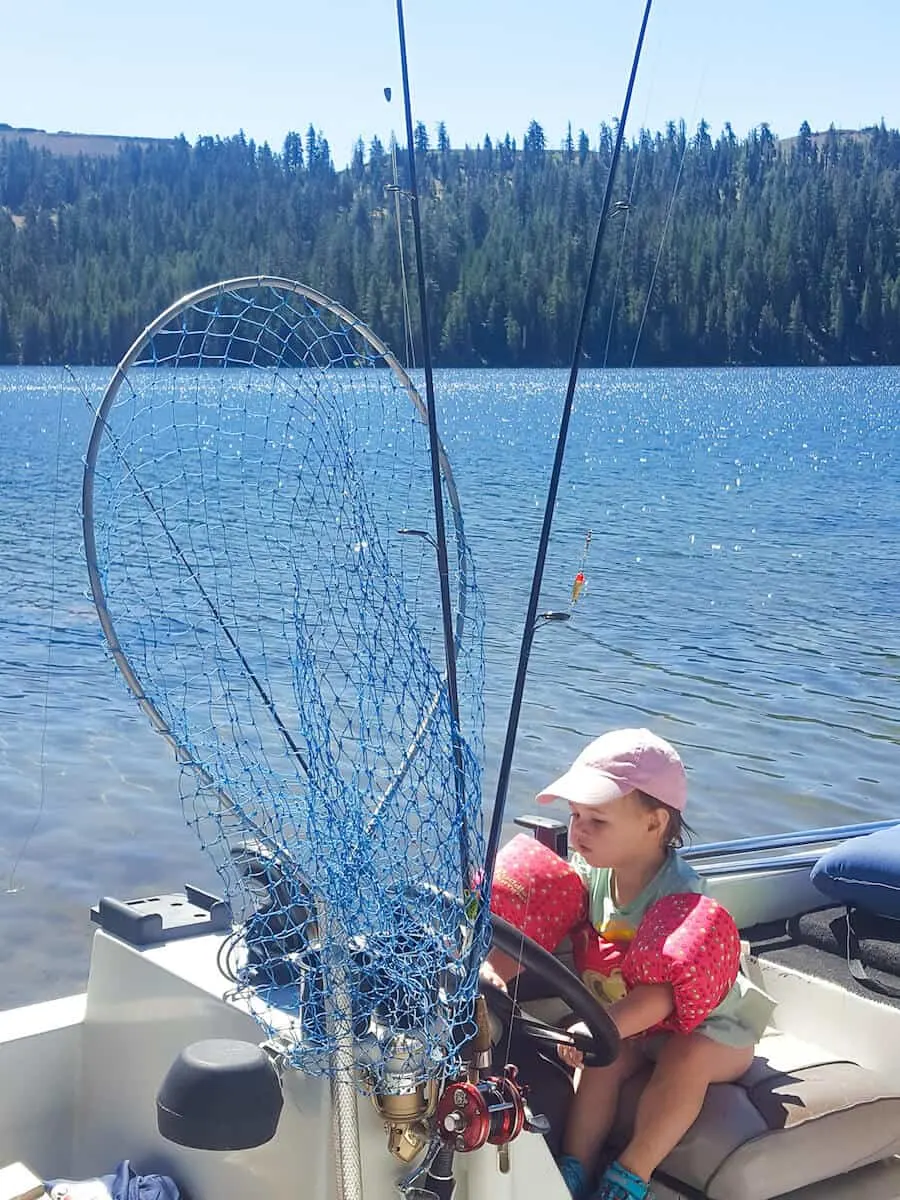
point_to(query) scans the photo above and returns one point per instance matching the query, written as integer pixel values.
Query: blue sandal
(573, 1175)
(618, 1183)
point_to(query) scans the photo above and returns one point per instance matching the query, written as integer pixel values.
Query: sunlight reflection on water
(741, 599)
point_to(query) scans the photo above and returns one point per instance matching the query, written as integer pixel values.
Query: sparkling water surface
(742, 600)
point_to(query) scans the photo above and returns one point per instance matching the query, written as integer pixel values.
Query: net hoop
(99, 427)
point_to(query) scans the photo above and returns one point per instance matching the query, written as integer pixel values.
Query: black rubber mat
(816, 943)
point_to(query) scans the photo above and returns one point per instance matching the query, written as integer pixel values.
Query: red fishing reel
(492, 1110)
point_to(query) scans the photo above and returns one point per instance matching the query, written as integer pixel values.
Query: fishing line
(408, 346)
(518, 980)
(493, 843)
(665, 229)
(435, 450)
(659, 252)
(620, 257)
(626, 207)
(11, 885)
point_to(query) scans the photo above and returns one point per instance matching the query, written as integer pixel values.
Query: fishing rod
(408, 347)
(435, 449)
(531, 620)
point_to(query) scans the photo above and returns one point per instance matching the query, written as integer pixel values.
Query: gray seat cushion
(798, 1116)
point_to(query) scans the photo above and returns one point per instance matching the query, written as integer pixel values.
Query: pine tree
(769, 254)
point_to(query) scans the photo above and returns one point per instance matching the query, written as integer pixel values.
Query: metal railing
(750, 854)
(784, 841)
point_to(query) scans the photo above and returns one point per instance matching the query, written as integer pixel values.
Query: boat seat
(799, 1116)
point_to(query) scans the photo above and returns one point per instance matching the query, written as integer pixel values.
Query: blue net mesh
(259, 526)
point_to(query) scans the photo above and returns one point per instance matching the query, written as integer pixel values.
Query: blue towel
(125, 1184)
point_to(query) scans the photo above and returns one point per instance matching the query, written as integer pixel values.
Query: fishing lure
(580, 581)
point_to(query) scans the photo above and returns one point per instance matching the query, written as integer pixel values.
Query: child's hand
(487, 974)
(571, 1055)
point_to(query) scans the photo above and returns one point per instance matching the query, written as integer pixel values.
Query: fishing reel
(492, 1110)
(407, 1119)
(482, 1107)
(472, 1112)
(477, 1108)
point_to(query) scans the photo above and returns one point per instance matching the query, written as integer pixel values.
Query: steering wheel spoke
(600, 1045)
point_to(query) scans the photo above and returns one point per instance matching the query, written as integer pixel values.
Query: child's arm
(498, 968)
(644, 1006)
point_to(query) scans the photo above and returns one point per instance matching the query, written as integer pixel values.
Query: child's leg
(594, 1104)
(674, 1095)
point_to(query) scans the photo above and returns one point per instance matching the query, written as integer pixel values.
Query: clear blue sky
(482, 66)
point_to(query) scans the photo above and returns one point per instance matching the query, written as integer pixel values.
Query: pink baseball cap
(616, 763)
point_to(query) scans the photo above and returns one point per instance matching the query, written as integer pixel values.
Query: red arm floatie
(537, 891)
(691, 942)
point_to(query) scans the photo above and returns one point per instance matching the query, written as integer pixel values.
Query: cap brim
(588, 787)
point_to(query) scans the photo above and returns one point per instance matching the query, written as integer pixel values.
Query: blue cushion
(863, 872)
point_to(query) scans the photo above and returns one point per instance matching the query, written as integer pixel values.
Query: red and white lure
(579, 582)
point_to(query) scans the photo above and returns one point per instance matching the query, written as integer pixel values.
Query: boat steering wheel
(600, 1046)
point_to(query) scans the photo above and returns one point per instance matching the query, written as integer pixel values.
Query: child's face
(615, 834)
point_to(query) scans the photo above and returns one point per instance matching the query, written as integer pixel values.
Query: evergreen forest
(720, 251)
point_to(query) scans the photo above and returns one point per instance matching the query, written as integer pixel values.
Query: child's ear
(659, 820)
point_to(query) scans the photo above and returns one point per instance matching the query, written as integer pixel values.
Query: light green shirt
(741, 1018)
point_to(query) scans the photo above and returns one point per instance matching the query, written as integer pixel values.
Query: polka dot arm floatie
(691, 942)
(538, 891)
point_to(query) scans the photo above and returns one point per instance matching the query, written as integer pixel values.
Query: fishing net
(260, 533)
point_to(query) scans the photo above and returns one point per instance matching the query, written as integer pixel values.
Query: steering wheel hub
(600, 1045)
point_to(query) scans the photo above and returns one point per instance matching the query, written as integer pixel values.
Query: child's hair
(677, 831)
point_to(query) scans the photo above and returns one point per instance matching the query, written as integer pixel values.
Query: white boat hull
(81, 1074)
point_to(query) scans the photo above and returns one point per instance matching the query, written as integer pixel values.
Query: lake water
(742, 600)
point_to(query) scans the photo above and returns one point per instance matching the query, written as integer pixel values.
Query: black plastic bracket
(548, 831)
(155, 920)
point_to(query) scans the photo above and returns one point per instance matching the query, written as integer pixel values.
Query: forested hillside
(731, 251)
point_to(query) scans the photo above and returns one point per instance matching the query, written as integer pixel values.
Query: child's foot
(573, 1175)
(618, 1183)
